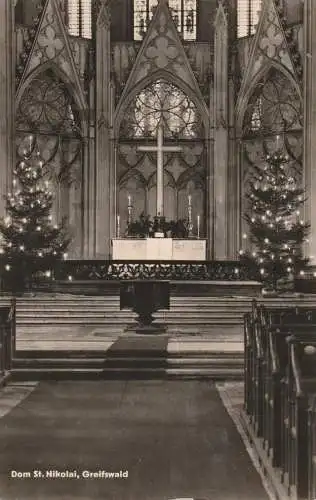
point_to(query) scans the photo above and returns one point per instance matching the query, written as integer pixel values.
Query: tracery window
(161, 101)
(47, 106)
(247, 16)
(183, 13)
(79, 18)
(256, 116)
(275, 108)
(48, 113)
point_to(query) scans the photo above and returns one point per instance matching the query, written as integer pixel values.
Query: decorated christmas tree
(277, 229)
(31, 244)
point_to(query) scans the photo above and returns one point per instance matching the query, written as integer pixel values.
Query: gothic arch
(63, 77)
(244, 98)
(49, 122)
(147, 81)
(133, 174)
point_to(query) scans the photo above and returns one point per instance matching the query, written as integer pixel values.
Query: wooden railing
(7, 340)
(280, 382)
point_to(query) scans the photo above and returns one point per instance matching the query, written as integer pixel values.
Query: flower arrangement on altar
(145, 227)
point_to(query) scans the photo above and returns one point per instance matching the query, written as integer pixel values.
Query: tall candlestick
(198, 226)
(129, 210)
(190, 223)
(118, 228)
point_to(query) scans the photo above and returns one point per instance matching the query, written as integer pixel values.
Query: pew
(301, 379)
(312, 448)
(7, 339)
(282, 374)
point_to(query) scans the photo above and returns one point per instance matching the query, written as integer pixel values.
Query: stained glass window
(161, 101)
(275, 107)
(79, 18)
(183, 13)
(46, 106)
(248, 12)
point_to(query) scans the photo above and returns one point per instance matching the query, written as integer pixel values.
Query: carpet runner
(124, 440)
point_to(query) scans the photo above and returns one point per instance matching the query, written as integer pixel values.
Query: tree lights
(276, 226)
(31, 245)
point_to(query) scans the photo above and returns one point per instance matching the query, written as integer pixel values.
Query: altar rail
(280, 389)
(166, 270)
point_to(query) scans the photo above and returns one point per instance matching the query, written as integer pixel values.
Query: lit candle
(30, 139)
(198, 226)
(129, 200)
(190, 200)
(278, 142)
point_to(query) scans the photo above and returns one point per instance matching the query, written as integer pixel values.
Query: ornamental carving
(50, 44)
(272, 43)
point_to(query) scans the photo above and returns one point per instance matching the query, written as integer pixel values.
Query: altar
(158, 249)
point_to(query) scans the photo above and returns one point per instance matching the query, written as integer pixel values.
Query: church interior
(157, 249)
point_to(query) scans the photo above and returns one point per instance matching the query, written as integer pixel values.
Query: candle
(129, 200)
(278, 142)
(118, 227)
(198, 226)
(190, 200)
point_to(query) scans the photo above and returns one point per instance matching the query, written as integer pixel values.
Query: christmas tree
(277, 230)
(31, 245)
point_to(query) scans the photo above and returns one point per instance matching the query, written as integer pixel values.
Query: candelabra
(190, 222)
(129, 211)
(118, 227)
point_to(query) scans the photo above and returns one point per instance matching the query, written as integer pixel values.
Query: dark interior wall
(293, 10)
(206, 12)
(121, 20)
(26, 11)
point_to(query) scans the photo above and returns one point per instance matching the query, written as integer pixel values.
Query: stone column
(310, 121)
(221, 144)
(7, 91)
(103, 209)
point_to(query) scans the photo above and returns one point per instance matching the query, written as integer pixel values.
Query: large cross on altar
(160, 149)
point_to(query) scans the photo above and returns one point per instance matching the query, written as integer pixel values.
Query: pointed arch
(64, 78)
(247, 92)
(146, 82)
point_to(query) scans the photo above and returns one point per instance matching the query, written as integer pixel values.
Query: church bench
(312, 447)
(276, 360)
(300, 388)
(7, 339)
(266, 360)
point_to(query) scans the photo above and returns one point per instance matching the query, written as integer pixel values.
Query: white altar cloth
(158, 249)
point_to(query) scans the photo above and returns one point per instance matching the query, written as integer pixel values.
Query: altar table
(158, 249)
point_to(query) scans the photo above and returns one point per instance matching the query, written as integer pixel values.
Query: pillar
(221, 143)
(104, 143)
(7, 92)
(310, 121)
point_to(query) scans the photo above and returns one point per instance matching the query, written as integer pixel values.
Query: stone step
(127, 314)
(215, 365)
(212, 373)
(101, 306)
(111, 320)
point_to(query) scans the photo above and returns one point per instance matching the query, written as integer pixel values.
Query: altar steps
(213, 365)
(187, 315)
